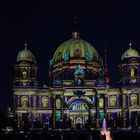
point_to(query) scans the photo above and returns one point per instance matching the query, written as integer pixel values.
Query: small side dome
(25, 55)
(130, 53)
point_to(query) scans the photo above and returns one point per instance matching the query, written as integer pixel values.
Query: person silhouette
(106, 133)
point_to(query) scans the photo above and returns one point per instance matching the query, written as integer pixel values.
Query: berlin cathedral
(78, 93)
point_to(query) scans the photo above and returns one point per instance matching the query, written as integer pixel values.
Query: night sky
(45, 25)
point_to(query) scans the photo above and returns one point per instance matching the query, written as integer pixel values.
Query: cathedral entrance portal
(79, 114)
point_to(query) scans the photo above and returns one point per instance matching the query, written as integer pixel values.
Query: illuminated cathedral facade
(78, 93)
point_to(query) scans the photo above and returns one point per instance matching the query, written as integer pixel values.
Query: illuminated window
(132, 72)
(58, 103)
(24, 74)
(73, 106)
(133, 99)
(84, 106)
(44, 102)
(24, 101)
(113, 101)
(58, 115)
(102, 115)
(101, 102)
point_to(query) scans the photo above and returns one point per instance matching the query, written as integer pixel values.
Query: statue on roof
(79, 71)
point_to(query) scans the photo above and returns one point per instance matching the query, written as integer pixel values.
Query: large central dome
(76, 48)
(75, 62)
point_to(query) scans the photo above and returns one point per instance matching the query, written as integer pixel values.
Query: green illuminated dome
(130, 53)
(75, 48)
(25, 55)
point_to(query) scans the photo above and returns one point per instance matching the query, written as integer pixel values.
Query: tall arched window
(133, 100)
(44, 102)
(24, 74)
(101, 102)
(132, 73)
(24, 101)
(58, 104)
(113, 101)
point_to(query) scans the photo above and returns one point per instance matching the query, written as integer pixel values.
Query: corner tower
(25, 69)
(130, 67)
(25, 87)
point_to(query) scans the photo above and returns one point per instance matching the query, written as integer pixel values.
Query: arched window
(58, 104)
(24, 74)
(132, 73)
(73, 106)
(58, 115)
(113, 101)
(44, 102)
(84, 106)
(24, 101)
(133, 100)
(101, 102)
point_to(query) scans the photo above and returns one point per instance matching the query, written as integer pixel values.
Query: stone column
(34, 102)
(74, 122)
(61, 99)
(139, 99)
(138, 119)
(124, 110)
(97, 111)
(20, 121)
(129, 118)
(29, 101)
(91, 115)
(120, 119)
(128, 98)
(94, 120)
(18, 101)
(106, 104)
(40, 100)
(83, 121)
(124, 100)
(40, 117)
(14, 98)
(108, 119)
(54, 109)
(35, 114)
(117, 124)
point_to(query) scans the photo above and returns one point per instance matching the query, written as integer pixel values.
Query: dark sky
(45, 25)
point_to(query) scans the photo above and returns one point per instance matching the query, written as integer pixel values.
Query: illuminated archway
(78, 105)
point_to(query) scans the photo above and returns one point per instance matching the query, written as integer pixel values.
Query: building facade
(78, 94)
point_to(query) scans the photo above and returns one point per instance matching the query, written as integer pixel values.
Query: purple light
(104, 124)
